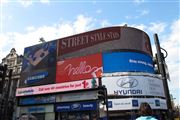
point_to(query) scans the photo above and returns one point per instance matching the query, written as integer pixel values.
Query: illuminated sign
(84, 40)
(54, 88)
(104, 40)
(79, 68)
(39, 65)
(134, 86)
(127, 62)
(134, 103)
(36, 77)
(37, 100)
(64, 107)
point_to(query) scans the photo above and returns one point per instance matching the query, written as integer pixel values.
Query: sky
(23, 22)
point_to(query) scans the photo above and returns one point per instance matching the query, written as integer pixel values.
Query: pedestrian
(145, 112)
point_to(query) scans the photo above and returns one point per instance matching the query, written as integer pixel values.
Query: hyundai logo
(127, 82)
(75, 106)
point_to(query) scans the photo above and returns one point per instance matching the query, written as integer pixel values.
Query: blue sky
(23, 22)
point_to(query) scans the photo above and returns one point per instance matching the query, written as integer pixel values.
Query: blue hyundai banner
(127, 62)
(79, 106)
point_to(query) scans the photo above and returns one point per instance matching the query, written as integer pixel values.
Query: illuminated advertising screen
(37, 100)
(103, 40)
(39, 64)
(74, 69)
(127, 62)
(79, 106)
(134, 86)
(60, 87)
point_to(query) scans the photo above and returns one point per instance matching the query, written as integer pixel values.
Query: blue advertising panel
(127, 62)
(79, 106)
(39, 65)
(37, 100)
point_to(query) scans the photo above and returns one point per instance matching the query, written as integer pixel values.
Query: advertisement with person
(104, 40)
(127, 62)
(39, 64)
(74, 69)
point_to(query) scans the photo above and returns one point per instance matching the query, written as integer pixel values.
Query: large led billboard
(59, 87)
(39, 64)
(79, 68)
(127, 62)
(102, 40)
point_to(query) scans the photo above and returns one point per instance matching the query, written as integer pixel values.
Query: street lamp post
(161, 62)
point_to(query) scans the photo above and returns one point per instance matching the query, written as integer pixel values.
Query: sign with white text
(104, 40)
(134, 86)
(80, 68)
(127, 62)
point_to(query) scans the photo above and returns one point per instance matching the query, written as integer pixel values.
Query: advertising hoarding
(37, 100)
(79, 106)
(37, 109)
(61, 87)
(78, 96)
(134, 86)
(127, 62)
(85, 67)
(39, 64)
(102, 40)
(134, 103)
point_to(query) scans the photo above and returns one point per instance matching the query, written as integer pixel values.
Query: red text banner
(61, 87)
(79, 68)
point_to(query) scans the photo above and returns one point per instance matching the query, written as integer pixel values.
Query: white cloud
(157, 27)
(144, 12)
(139, 1)
(99, 11)
(105, 23)
(172, 44)
(30, 28)
(140, 26)
(21, 40)
(45, 1)
(25, 3)
(3, 1)
(82, 23)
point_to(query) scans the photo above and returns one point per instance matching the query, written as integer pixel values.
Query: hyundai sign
(127, 62)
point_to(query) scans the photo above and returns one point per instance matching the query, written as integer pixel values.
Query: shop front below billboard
(134, 86)
(77, 111)
(134, 103)
(39, 112)
(79, 106)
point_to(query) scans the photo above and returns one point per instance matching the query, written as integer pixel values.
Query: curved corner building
(60, 78)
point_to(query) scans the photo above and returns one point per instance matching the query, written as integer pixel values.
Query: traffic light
(156, 64)
(102, 96)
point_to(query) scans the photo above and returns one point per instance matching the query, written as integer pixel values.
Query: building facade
(8, 99)
(63, 79)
